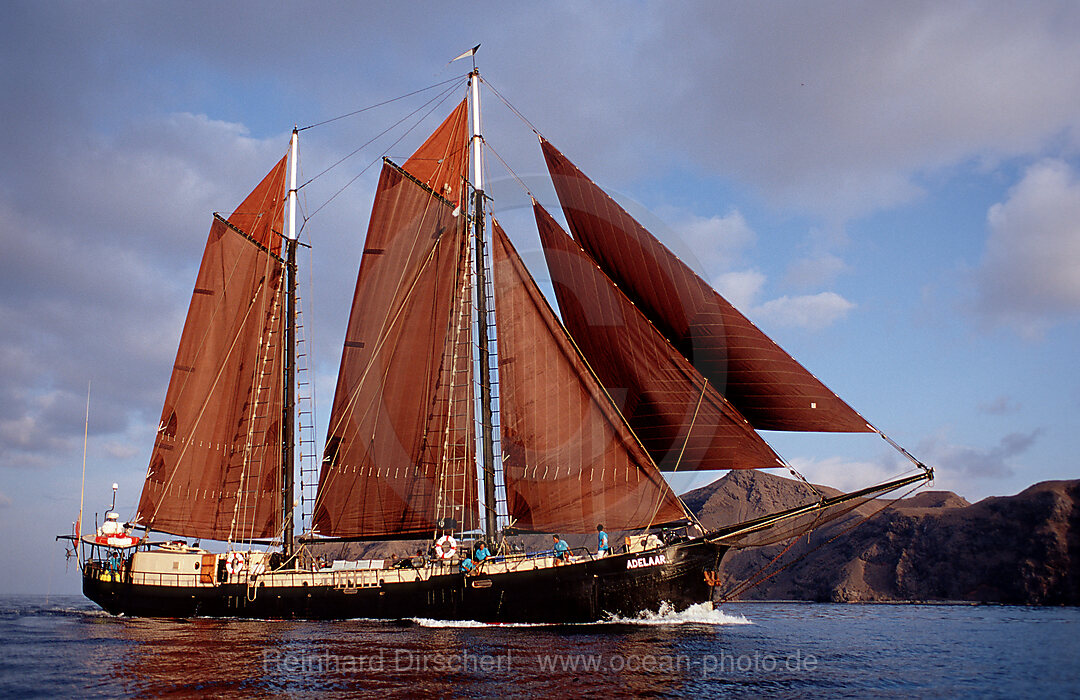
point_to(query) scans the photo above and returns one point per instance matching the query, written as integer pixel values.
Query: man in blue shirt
(562, 550)
(466, 565)
(602, 548)
(482, 552)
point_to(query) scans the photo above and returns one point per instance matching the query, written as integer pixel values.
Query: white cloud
(720, 241)
(1029, 275)
(843, 474)
(813, 311)
(717, 241)
(740, 288)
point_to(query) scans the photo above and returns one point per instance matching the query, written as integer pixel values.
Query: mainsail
(569, 459)
(679, 416)
(215, 471)
(398, 451)
(768, 386)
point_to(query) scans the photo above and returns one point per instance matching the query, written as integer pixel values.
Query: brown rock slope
(1021, 549)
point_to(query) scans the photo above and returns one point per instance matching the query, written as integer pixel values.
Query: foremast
(487, 441)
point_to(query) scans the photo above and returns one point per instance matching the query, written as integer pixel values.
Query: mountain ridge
(933, 546)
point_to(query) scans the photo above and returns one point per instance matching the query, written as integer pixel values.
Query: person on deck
(562, 550)
(466, 566)
(602, 548)
(482, 552)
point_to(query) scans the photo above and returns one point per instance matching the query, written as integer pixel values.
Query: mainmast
(289, 407)
(486, 438)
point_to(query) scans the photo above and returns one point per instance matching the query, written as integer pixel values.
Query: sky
(891, 191)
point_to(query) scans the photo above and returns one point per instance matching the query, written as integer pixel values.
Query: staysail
(399, 449)
(679, 416)
(215, 471)
(768, 386)
(569, 459)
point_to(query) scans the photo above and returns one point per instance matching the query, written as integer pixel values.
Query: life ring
(234, 562)
(122, 541)
(445, 547)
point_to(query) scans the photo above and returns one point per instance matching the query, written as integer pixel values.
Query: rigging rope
(437, 100)
(511, 171)
(511, 107)
(458, 78)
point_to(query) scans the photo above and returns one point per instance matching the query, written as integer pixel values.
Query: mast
(289, 407)
(486, 438)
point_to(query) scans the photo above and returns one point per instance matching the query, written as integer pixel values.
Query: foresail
(215, 472)
(771, 389)
(399, 446)
(680, 418)
(570, 461)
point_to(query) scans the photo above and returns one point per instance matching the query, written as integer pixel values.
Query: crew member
(602, 548)
(482, 552)
(466, 565)
(562, 550)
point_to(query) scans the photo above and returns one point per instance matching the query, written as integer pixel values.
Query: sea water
(69, 647)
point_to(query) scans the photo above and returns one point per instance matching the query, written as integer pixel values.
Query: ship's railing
(346, 579)
(167, 578)
(530, 561)
(119, 571)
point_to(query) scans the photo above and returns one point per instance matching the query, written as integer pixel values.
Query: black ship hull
(582, 591)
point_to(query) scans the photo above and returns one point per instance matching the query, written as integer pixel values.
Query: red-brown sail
(400, 425)
(441, 161)
(260, 214)
(215, 471)
(682, 421)
(771, 389)
(569, 459)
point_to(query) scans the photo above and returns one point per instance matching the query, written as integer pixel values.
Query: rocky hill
(932, 546)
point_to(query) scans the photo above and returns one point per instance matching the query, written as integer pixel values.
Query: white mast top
(293, 148)
(477, 137)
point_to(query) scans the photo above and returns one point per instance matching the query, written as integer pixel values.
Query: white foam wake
(700, 614)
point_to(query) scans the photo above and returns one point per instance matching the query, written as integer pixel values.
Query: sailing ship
(465, 409)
